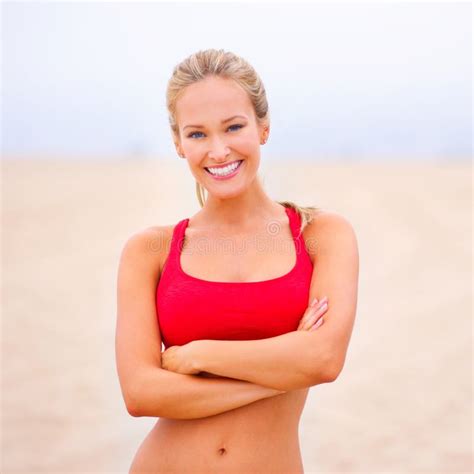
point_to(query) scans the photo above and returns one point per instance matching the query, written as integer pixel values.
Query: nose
(219, 150)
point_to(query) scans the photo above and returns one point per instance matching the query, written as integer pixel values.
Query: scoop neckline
(271, 280)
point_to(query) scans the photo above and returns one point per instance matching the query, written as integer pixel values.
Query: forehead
(212, 96)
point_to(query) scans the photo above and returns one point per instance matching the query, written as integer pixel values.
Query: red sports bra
(189, 308)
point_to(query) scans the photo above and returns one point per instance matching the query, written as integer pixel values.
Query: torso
(248, 439)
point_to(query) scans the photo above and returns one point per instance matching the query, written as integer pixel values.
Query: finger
(309, 314)
(305, 316)
(308, 324)
(314, 317)
(316, 326)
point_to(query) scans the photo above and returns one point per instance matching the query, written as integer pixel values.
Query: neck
(246, 211)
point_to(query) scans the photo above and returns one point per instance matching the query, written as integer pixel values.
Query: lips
(229, 175)
(223, 166)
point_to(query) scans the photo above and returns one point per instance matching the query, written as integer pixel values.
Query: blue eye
(191, 135)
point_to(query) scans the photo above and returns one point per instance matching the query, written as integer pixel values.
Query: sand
(403, 403)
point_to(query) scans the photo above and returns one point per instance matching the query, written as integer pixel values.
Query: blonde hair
(225, 64)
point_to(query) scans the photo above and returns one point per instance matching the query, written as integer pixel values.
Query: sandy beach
(403, 403)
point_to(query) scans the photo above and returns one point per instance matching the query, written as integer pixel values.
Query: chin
(227, 195)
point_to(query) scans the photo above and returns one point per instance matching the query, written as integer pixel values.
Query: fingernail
(315, 300)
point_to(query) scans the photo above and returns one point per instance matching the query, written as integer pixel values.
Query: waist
(259, 437)
(273, 417)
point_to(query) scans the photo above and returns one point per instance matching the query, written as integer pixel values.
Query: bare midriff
(261, 437)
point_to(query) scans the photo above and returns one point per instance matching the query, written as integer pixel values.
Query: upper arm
(137, 336)
(335, 275)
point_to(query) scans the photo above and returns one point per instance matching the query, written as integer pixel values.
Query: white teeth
(224, 171)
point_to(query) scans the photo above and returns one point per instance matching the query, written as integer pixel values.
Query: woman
(243, 328)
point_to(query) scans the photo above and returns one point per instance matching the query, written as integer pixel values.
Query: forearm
(286, 362)
(166, 394)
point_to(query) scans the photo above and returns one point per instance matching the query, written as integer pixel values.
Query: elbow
(143, 397)
(133, 411)
(150, 391)
(334, 368)
(326, 369)
(332, 375)
(133, 396)
(131, 403)
(325, 374)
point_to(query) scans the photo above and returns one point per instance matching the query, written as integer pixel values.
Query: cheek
(245, 144)
(194, 154)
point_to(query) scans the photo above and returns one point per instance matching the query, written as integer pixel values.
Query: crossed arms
(256, 369)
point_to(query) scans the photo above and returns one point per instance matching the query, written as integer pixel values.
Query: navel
(222, 451)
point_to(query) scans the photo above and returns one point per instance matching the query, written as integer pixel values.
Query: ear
(264, 132)
(179, 150)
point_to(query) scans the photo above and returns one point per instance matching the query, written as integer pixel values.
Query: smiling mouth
(228, 169)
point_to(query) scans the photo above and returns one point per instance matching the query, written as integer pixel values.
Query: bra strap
(177, 241)
(295, 224)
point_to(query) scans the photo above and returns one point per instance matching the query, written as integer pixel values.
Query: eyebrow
(224, 121)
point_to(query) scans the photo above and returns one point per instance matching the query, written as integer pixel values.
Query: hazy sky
(358, 80)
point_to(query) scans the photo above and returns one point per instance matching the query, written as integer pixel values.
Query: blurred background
(371, 117)
(352, 81)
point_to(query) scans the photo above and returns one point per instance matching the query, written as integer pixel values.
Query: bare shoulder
(324, 220)
(328, 228)
(148, 246)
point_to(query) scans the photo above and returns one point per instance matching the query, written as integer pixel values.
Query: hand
(313, 316)
(179, 359)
